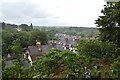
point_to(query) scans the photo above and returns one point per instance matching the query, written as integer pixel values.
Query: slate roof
(10, 62)
(34, 52)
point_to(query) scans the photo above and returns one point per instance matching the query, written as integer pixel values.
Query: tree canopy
(110, 23)
(13, 41)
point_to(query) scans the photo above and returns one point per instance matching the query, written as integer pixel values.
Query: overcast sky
(51, 12)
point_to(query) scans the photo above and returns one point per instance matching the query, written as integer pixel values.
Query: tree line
(14, 41)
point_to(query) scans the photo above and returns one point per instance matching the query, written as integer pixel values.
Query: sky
(81, 13)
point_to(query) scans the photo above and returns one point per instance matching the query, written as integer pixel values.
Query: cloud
(22, 11)
(51, 12)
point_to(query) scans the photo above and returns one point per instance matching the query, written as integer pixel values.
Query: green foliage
(15, 47)
(8, 36)
(76, 31)
(25, 27)
(110, 23)
(96, 59)
(45, 66)
(39, 36)
(11, 72)
(75, 66)
(98, 49)
(24, 38)
(110, 34)
(16, 70)
(64, 63)
(51, 34)
(111, 16)
(13, 41)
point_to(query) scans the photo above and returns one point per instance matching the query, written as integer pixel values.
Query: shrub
(98, 49)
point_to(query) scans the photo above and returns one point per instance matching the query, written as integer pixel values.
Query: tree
(25, 27)
(98, 49)
(53, 61)
(14, 40)
(16, 70)
(31, 26)
(51, 34)
(15, 47)
(110, 23)
(38, 36)
(8, 36)
(24, 38)
(3, 25)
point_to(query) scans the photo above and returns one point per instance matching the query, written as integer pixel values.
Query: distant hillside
(79, 31)
(23, 27)
(69, 30)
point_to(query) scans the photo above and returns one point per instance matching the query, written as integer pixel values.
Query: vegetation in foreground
(66, 64)
(95, 59)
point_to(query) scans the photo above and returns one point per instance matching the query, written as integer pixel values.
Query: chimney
(66, 39)
(38, 44)
(53, 42)
(40, 49)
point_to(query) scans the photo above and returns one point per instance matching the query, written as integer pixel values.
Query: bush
(98, 49)
(54, 62)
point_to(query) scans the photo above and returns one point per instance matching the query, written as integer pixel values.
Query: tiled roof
(34, 52)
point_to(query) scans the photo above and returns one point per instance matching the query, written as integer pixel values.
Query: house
(65, 43)
(9, 61)
(33, 51)
(38, 50)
